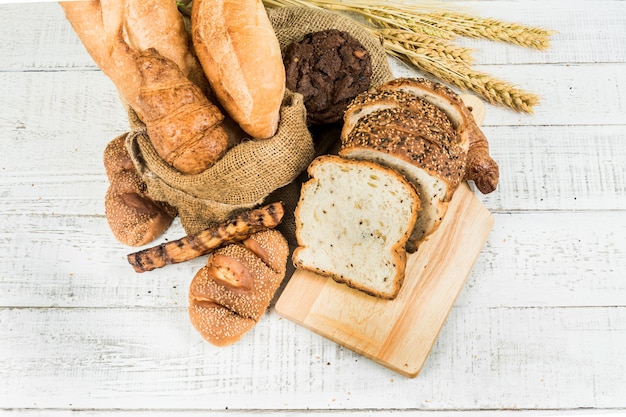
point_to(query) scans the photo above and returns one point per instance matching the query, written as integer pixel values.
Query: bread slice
(416, 138)
(353, 220)
(481, 168)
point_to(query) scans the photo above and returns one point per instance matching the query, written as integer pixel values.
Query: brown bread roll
(229, 295)
(134, 218)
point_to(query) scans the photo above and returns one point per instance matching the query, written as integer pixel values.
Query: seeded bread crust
(481, 168)
(426, 143)
(375, 100)
(353, 221)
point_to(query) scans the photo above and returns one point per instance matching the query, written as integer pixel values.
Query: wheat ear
(493, 90)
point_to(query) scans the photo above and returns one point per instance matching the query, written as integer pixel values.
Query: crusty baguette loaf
(228, 296)
(240, 54)
(134, 218)
(113, 32)
(353, 221)
(159, 25)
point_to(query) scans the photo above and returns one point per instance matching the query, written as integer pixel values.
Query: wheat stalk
(493, 90)
(397, 39)
(493, 29)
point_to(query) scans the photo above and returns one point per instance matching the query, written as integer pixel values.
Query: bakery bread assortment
(229, 295)
(353, 221)
(405, 146)
(240, 54)
(134, 218)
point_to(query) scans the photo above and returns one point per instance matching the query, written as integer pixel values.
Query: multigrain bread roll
(229, 295)
(134, 218)
(241, 57)
(353, 221)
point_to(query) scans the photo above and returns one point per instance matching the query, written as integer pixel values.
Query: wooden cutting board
(399, 333)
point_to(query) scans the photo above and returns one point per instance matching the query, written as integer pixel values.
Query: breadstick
(238, 228)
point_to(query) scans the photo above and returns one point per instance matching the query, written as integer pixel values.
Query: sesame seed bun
(234, 289)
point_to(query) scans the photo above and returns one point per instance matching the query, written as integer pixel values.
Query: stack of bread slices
(356, 217)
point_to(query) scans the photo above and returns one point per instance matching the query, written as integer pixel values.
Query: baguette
(114, 32)
(241, 57)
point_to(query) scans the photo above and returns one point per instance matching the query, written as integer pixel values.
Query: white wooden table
(540, 325)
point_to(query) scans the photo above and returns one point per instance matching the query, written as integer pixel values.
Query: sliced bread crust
(405, 132)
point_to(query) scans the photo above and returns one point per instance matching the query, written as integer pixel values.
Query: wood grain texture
(538, 329)
(151, 358)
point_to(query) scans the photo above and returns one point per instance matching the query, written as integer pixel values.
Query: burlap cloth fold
(255, 171)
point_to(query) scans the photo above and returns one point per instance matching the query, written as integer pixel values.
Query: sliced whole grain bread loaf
(425, 141)
(353, 221)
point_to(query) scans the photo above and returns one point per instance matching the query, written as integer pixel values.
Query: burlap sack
(254, 172)
(241, 179)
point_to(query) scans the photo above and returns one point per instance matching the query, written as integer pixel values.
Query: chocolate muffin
(329, 68)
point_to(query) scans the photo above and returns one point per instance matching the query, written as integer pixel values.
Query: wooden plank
(542, 168)
(574, 43)
(74, 261)
(551, 259)
(61, 101)
(558, 168)
(308, 412)
(151, 359)
(568, 98)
